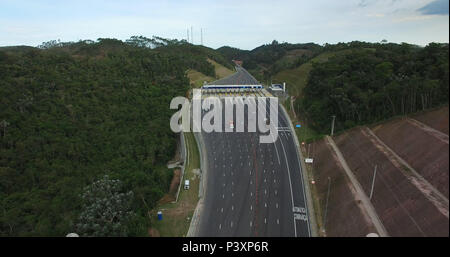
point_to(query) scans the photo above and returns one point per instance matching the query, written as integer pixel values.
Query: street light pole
(326, 204)
(332, 125)
(373, 182)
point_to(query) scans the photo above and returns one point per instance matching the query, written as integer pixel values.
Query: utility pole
(373, 182)
(201, 36)
(188, 35)
(192, 35)
(326, 204)
(332, 125)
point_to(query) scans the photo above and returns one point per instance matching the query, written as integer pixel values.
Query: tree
(4, 124)
(106, 209)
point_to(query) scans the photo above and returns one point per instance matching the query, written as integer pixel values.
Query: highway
(240, 77)
(252, 188)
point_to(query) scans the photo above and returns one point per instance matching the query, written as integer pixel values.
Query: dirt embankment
(437, 119)
(403, 208)
(345, 214)
(427, 154)
(172, 194)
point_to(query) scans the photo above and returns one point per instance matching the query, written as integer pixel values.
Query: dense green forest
(373, 82)
(71, 113)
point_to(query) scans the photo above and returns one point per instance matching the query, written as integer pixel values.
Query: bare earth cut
(427, 154)
(344, 216)
(410, 187)
(402, 207)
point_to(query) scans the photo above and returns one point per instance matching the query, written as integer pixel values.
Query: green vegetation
(221, 70)
(306, 134)
(362, 87)
(177, 216)
(265, 61)
(105, 208)
(297, 78)
(74, 112)
(197, 78)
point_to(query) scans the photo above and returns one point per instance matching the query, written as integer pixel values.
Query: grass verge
(297, 78)
(197, 78)
(177, 216)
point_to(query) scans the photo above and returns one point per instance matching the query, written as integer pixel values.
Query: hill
(266, 60)
(365, 86)
(297, 78)
(410, 189)
(197, 78)
(73, 112)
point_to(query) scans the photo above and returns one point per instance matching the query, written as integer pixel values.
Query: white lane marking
(220, 226)
(221, 210)
(274, 144)
(232, 224)
(301, 181)
(290, 182)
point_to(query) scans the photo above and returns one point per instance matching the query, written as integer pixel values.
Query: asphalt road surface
(240, 77)
(253, 188)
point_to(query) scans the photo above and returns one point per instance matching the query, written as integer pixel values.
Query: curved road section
(240, 77)
(252, 188)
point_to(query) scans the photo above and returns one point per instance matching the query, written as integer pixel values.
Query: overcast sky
(245, 24)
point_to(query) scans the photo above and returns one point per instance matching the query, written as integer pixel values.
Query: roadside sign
(298, 125)
(308, 160)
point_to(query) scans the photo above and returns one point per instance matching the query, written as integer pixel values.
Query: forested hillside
(372, 82)
(267, 60)
(84, 126)
(71, 113)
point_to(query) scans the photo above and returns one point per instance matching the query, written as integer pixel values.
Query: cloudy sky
(244, 24)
